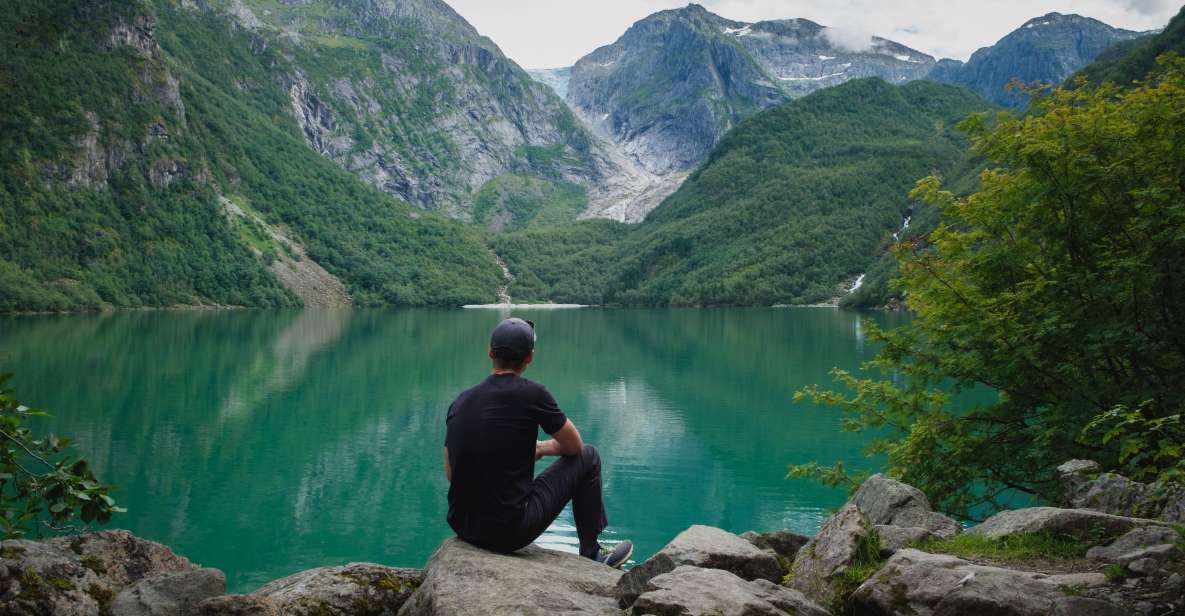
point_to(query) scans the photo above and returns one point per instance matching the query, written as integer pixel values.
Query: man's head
(512, 344)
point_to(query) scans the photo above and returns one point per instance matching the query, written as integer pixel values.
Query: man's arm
(448, 468)
(565, 442)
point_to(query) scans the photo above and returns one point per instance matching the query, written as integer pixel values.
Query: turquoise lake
(263, 443)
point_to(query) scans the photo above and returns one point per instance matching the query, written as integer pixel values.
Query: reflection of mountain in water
(282, 364)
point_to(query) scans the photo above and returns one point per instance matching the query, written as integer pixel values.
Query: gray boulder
(1131, 545)
(237, 605)
(1085, 487)
(1084, 606)
(893, 538)
(784, 544)
(916, 582)
(890, 502)
(168, 594)
(842, 540)
(120, 557)
(1084, 524)
(692, 591)
(462, 580)
(38, 578)
(357, 587)
(706, 547)
(80, 575)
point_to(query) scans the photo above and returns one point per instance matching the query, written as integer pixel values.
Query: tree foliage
(41, 485)
(1060, 284)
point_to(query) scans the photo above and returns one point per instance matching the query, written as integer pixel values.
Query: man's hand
(566, 442)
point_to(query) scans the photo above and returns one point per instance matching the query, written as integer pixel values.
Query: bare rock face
(837, 545)
(1085, 487)
(463, 580)
(362, 588)
(83, 575)
(889, 502)
(1083, 524)
(166, 594)
(705, 547)
(784, 544)
(692, 591)
(915, 582)
(1134, 544)
(893, 538)
(237, 605)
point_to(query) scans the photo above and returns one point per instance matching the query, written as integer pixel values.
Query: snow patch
(825, 58)
(742, 31)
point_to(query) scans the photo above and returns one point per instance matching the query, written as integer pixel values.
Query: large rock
(706, 547)
(169, 594)
(1083, 524)
(120, 557)
(893, 538)
(1085, 487)
(81, 575)
(916, 582)
(462, 580)
(784, 544)
(692, 591)
(363, 588)
(842, 540)
(889, 502)
(237, 605)
(1132, 545)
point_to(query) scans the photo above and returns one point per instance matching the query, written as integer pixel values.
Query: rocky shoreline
(882, 553)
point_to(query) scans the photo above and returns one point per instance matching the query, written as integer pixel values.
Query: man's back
(491, 432)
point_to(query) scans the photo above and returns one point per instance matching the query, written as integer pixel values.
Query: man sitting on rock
(494, 499)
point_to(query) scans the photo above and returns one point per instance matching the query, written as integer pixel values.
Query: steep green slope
(1133, 60)
(123, 132)
(795, 202)
(797, 199)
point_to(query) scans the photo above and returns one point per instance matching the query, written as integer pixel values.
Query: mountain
(1134, 59)
(790, 207)
(149, 156)
(675, 82)
(1046, 49)
(411, 98)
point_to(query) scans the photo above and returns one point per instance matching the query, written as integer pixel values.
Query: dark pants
(571, 478)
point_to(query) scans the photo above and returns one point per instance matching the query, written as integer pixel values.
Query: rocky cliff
(1046, 49)
(411, 98)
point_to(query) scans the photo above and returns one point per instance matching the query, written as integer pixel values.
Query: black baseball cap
(513, 338)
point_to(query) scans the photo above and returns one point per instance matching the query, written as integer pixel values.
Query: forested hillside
(793, 204)
(129, 126)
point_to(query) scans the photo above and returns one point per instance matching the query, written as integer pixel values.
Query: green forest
(75, 234)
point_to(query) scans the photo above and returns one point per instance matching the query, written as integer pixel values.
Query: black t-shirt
(490, 436)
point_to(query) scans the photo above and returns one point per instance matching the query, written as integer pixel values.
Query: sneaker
(618, 555)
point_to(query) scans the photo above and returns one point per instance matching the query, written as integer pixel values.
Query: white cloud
(549, 33)
(848, 39)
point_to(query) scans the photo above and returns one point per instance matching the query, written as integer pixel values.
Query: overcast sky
(553, 33)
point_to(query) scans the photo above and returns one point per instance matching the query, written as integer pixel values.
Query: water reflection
(263, 443)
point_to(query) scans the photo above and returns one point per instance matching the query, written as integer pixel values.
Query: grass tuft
(1014, 548)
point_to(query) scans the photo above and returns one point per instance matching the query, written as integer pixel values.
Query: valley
(405, 155)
